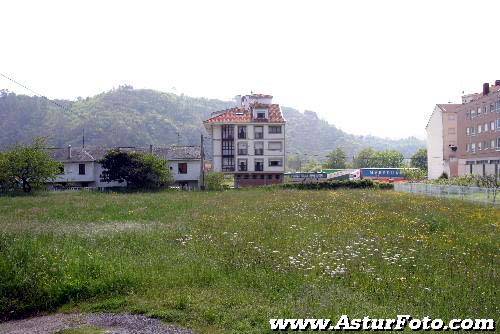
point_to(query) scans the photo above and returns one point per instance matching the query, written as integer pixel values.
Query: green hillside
(139, 117)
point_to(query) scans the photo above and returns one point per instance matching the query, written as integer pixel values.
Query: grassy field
(227, 262)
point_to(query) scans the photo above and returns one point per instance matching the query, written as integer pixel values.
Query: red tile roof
(242, 115)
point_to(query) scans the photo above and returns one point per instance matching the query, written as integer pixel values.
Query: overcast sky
(369, 67)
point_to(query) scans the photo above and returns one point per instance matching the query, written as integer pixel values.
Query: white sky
(369, 67)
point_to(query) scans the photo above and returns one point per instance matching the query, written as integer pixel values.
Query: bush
(215, 181)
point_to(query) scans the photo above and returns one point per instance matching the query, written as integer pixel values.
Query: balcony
(228, 168)
(242, 168)
(259, 167)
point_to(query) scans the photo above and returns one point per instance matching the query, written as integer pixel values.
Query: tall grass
(229, 261)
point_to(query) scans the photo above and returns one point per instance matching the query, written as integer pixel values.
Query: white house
(442, 141)
(82, 169)
(248, 141)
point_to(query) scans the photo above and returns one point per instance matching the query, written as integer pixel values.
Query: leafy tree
(368, 157)
(312, 166)
(215, 181)
(364, 158)
(139, 170)
(293, 162)
(27, 166)
(419, 159)
(337, 159)
(415, 175)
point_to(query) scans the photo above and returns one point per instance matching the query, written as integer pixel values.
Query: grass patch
(226, 262)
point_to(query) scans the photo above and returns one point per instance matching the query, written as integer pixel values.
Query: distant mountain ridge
(139, 117)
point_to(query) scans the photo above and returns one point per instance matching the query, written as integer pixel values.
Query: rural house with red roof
(249, 141)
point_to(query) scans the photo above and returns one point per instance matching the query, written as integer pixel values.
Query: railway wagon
(383, 174)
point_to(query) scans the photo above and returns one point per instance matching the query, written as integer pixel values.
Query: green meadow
(226, 262)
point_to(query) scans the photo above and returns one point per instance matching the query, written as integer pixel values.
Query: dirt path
(102, 322)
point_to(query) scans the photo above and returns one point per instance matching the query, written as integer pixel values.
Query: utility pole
(202, 171)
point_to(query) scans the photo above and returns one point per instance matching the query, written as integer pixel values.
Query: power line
(34, 92)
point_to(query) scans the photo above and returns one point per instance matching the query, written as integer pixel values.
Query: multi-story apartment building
(442, 141)
(478, 119)
(249, 141)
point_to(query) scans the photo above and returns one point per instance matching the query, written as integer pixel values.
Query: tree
(293, 162)
(139, 170)
(419, 159)
(215, 181)
(364, 158)
(368, 157)
(337, 159)
(27, 166)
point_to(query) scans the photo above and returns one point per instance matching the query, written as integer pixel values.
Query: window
(275, 129)
(485, 127)
(275, 146)
(498, 124)
(227, 132)
(498, 143)
(467, 115)
(492, 126)
(260, 113)
(258, 132)
(227, 164)
(277, 176)
(472, 113)
(242, 165)
(473, 147)
(275, 162)
(468, 131)
(473, 131)
(479, 128)
(227, 148)
(492, 107)
(81, 169)
(485, 145)
(242, 148)
(479, 146)
(242, 132)
(182, 168)
(451, 131)
(259, 165)
(467, 148)
(269, 176)
(479, 110)
(492, 144)
(259, 148)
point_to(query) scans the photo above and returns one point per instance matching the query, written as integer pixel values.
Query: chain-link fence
(473, 194)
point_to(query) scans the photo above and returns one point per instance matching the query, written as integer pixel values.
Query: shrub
(215, 181)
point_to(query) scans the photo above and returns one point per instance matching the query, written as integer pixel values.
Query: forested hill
(139, 117)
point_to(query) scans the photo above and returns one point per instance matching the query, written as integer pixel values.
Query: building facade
(479, 132)
(82, 167)
(248, 141)
(442, 141)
